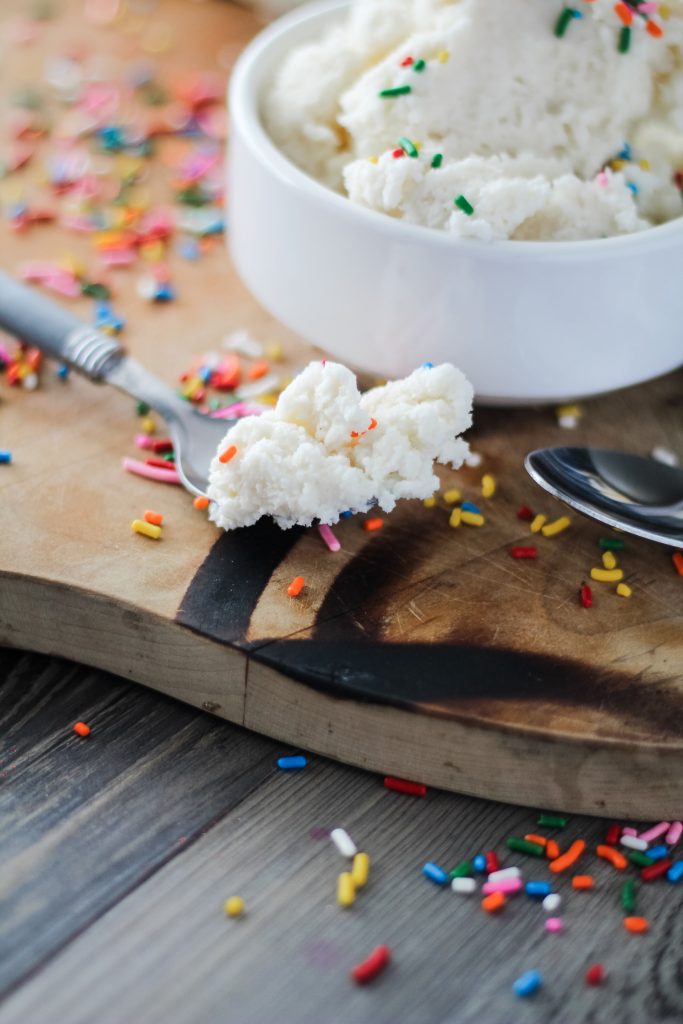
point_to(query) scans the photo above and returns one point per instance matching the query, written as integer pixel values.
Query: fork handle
(56, 332)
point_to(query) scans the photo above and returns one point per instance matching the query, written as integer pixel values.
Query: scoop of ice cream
(325, 449)
(522, 115)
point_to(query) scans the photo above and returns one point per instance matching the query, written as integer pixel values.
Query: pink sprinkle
(329, 538)
(117, 257)
(143, 441)
(602, 179)
(674, 833)
(655, 831)
(236, 410)
(628, 831)
(554, 924)
(165, 476)
(649, 8)
(5, 354)
(63, 284)
(508, 885)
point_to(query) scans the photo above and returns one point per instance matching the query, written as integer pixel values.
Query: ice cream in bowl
(494, 185)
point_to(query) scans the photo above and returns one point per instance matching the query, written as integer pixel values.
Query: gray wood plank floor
(110, 918)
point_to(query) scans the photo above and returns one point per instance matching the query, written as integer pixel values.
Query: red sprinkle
(492, 862)
(296, 586)
(595, 975)
(373, 524)
(660, 867)
(81, 729)
(397, 154)
(524, 512)
(407, 62)
(586, 595)
(374, 965)
(159, 463)
(162, 446)
(678, 562)
(403, 786)
(612, 835)
(529, 552)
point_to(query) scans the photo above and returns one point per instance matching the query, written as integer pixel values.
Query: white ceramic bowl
(526, 321)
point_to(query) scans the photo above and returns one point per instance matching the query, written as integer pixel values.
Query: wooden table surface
(118, 851)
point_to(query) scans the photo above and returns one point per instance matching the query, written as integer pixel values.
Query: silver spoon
(39, 322)
(629, 492)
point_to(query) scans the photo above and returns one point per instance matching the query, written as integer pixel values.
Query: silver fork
(99, 357)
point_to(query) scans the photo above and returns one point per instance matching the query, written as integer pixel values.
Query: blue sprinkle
(538, 890)
(205, 374)
(428, 366)
(189, 250)
(5, 456)
(467, 506)
(63, 371)
(345, 515)
(633, 187)
(435, 874)
(675, 872)
(288, 763)
(658, 852)
(164, 293)
(625, 153)
(479, 863)
(527, 984)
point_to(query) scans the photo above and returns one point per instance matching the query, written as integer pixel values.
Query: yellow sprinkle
(488, 485)
(268, 399)
(645, 165)
(472, 518)
(373, 159)
(450, 497)
(147, 425)
(346, 890)
(537, 523)
(623, 590)
(73, 265)
(569, 410)
(418, 146)
(608, 560)
(617, 164)
(153, 252)
(607, 575)
(443, 56)
(559, 526)
(273, 351)
(430, 502)
(455, 517)
(234, 907)
(149, 530)
(664, 11)
(360, 869)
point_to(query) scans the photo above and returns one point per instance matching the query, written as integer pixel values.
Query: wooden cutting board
(420, 650)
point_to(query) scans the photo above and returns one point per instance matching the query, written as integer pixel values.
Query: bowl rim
(245, 114)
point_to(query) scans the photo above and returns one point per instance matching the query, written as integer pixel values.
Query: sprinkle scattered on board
(234, 906)
(81, 729)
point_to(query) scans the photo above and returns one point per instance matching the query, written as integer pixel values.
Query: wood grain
(85, 820)
(166, 953)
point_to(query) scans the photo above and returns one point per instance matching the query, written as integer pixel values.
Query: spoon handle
(36, 320)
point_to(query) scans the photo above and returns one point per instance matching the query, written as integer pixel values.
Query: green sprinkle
(611, 544)
(525, 846)
(399, 90)
(408, 147)
(464, 205)
(628, 896)
(437, 160)
(419, 65)
(552, 820)
(562, 23)
(192, 196)
(95, 290)
(641, 860)
(168, 457)
(463, 870)
(142, 408)
(625, 39)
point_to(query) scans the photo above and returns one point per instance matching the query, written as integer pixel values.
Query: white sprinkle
(243, 343)
(466, 886)
(270, 382)
(664, 455)
(634, 843)
(568, 422)
(551, 902)
(344, 843)
(498, 876)
(30, 382)
(146, 287)
(473, 460)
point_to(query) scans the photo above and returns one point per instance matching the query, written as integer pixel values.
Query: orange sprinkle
(155, 518)
(258, 369)
(201, 501)
(373, 423)
(583, 882)
(678, 562)
(654, 29)
(616, 859)
(373, 524)
(228, 454)
(532, 838)
(496, 901)
(570, 857)
(81, 729)
(636, 924)
(296, 586)
(552, 849)
(624, 13)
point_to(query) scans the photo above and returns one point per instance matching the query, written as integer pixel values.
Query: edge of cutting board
(516, 765)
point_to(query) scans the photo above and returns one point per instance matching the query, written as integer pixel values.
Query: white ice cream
(325, 448)
(528, 125)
